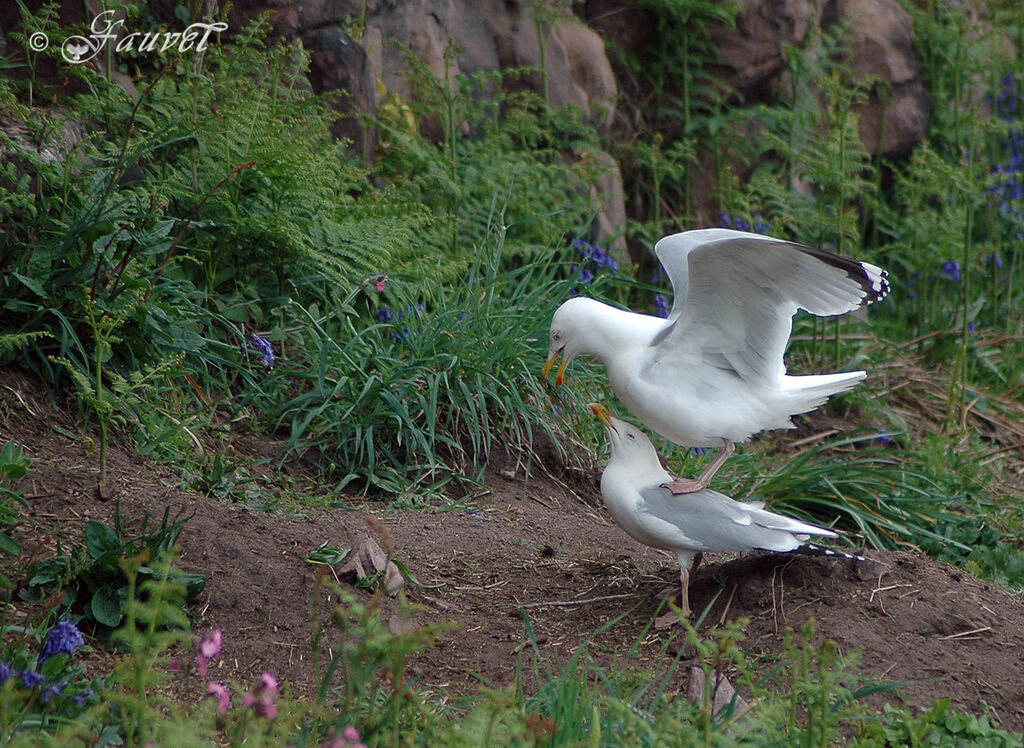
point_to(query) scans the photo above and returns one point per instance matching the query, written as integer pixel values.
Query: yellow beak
(560, 374)
(601, 413)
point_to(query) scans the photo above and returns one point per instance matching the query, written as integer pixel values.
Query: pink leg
(671, 618)
(687, 485)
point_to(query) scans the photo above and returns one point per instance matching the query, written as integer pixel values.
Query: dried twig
(573, 603)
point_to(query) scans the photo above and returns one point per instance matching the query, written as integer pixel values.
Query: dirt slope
(533, 545)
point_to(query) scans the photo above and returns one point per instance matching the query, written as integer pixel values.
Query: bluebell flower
(7, 672)
(64, 638)
(699, 451)
(55, 690)
(593, 260)
(951, 269)
(589, 251)
(884, 438)
(80, 698)
(661, 307)
(385, 316)
(995, 259)
(265, 349)
(760, 226)
(31, 678)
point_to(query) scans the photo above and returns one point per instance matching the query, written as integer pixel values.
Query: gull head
(571, 329)
(626, 443)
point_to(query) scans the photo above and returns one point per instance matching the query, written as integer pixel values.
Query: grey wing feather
(715, 522)
(736, 297)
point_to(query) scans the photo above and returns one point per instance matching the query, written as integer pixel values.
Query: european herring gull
(712, 373)
(632, 489)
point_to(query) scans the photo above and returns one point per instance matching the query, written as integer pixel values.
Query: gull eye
(631, 436)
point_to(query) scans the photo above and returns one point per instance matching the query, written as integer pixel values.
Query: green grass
(136, 272)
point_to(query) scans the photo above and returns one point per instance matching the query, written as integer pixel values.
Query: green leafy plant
(91, 578)
(14, 465)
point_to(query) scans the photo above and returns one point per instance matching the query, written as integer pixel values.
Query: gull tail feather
(825, 384)
(807, 392)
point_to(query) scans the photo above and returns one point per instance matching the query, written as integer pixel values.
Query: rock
(338, 63)
(495, 35)
(609, 195)
(753, 51)
(878, 42)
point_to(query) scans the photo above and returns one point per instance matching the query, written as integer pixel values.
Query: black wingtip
(873, 280)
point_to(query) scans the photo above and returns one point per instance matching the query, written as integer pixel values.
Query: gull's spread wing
(736, 294)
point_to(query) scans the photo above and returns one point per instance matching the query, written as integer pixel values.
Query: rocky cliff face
(498, 34)
(361, 47)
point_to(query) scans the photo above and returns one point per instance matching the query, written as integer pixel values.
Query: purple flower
(263, 699)
(55, 690)
(31, 678)
(64, 638)
(264, 347)
(7, 672)
(269, 682)
(661, 307)
(884, 438)
(591, 252)
(80, 698)
(995, 259)
(593, 260)
(209, 648)
(349, 738)
(951, 269)
(733, 222)
(220, 692)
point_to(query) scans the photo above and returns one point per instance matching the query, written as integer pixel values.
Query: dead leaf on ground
(369, 561)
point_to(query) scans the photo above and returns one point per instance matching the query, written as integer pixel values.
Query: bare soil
(544, 546)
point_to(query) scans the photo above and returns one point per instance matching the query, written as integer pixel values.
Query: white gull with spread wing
(712, 373)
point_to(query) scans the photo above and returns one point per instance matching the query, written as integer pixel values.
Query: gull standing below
(712, 373)
(632, 489)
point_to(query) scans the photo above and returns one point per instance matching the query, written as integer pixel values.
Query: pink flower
(380, 282)
(210, 646)
(220, 692)
(266, 707)
(268, 682)
(208, 649)
(349, 738)
(262, 700)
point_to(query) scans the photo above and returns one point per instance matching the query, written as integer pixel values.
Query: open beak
(560, 374)
(602, 414)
